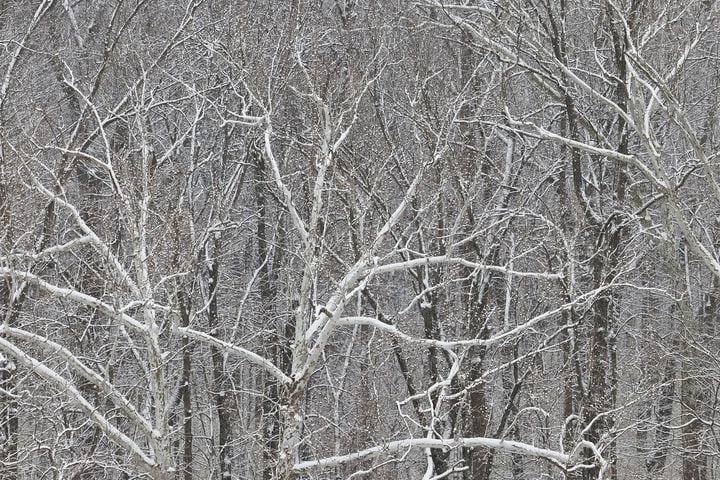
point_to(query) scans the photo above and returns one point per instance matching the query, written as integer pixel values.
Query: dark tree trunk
(220, 384)
(478, 461)
(186, 393)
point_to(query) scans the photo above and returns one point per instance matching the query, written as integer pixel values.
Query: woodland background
(359, 239)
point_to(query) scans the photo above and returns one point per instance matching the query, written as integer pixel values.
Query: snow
(398, 446)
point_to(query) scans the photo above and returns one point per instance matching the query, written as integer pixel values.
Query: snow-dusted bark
(400, 446)
(416, 231)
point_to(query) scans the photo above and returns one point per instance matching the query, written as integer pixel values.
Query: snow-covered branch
(74, 295)
(67, 388)
(533, 130)
(251, 357)
(120, 271)
(445, 259)
(287, 195)
(477, 342)
(118, 399)
(397, 446)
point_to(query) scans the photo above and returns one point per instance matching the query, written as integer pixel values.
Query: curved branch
(117, 398)
(446, 259)
(508, 446)
(64, 385)
(76, 296)
(251, 357)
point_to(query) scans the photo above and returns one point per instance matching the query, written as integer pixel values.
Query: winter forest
(359, 239)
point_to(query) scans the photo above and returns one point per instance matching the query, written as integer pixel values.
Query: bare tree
(387, 239)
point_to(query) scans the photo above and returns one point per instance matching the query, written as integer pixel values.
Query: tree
(340, 238)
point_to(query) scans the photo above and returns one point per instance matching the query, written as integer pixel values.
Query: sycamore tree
(357, 239)
(626, 88)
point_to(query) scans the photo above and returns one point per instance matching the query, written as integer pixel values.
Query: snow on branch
(77, 296)
(533, 130)
(446, 259)
(251, 357)
(55, 249)
(476, 342)
(287, 195)
(118, 399)
(65, 386)
(122, 274)
(508, 446)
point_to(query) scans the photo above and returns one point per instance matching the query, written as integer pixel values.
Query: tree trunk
(478, 461)
(291, 418)
(220, 395)
(186, 393)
